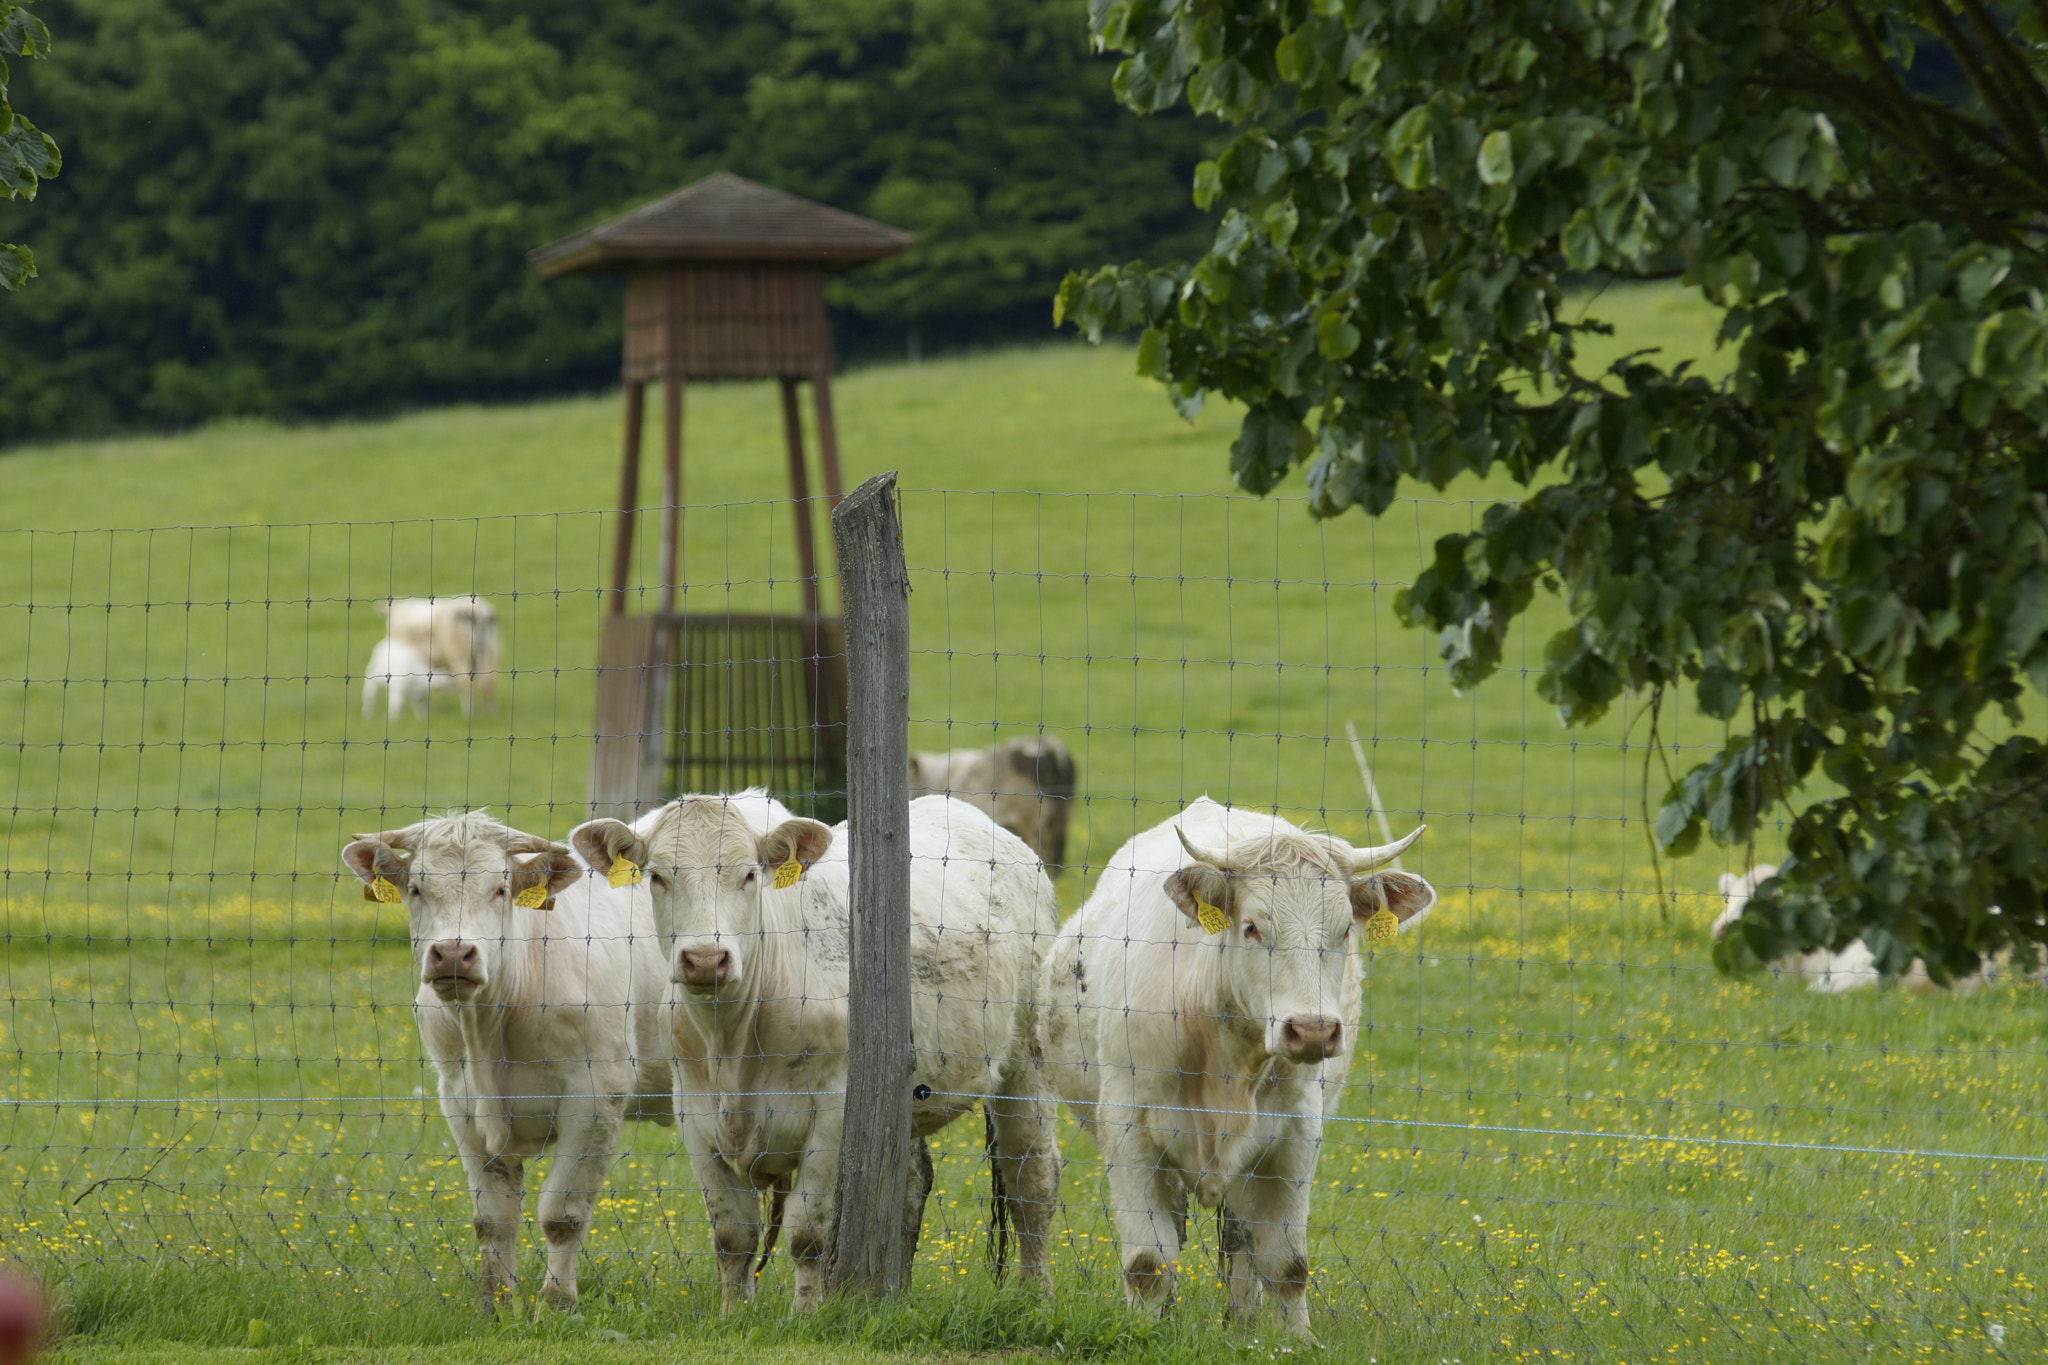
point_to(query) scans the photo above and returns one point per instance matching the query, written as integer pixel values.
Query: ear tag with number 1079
(786, 875)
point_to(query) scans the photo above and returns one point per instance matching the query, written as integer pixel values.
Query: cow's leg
(497, 1187)
(807, 1218)
(1027, 1154)
(1274, 1204)
(1234, 1251)
(734, 1207)
(586, 1142)
(917, 1188)
(1145, 1197)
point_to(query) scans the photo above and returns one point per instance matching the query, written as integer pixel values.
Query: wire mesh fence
(1561, 1131)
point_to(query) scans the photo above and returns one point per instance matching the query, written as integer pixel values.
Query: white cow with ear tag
(1199, 1016)
(752, 907)
(540, 1006)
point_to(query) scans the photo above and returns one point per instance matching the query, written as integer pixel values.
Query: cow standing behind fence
(1025, 785)
(752, 907)
(1198, 1014)
(458, 637)
(539, 1004)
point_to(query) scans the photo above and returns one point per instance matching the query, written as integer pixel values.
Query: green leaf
(1497, 158)
(17, 266)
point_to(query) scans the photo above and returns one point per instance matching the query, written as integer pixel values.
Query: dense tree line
(301, 207)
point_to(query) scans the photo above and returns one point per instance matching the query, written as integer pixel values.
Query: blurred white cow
(1825, 970)
(752, 906)
(1026, 785)
(1199, 1015)
(405, 673)
(540, 999)
(458, 637)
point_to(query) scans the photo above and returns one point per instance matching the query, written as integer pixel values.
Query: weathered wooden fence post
(875, 1151)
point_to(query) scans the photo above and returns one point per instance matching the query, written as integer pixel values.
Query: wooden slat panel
(626, 745)
(760, 700)
(727, 322)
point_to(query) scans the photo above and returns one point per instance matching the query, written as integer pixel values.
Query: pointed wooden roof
(722, 217)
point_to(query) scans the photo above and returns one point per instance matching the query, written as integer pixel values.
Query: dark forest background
(314, 207)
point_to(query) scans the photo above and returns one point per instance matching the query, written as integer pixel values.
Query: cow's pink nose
(1310, 1038)
(704, 966)
(451, 957)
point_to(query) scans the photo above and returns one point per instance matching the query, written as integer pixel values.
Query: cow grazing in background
(1199, 1014)
(406, 676)
(1025, 785)
(540, 1007)
(458, 637)
(752, 907)
(1826, 970)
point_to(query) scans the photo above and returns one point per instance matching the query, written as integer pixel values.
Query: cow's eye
(748, 880)
(1251, 931)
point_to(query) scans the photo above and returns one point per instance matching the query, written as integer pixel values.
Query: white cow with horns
(752, 907)
(1199, 1014)
(539, 1006)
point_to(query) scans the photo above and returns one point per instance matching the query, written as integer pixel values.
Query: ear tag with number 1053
(1214, 921)
(1382, 925)
(624, 871)
(384, 891)
(786, 875)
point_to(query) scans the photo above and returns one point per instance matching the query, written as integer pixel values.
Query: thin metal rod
(671, 487)
(629, 494)
(800, 495)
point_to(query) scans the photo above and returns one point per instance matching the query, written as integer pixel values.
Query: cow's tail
(779, 1198)
(998, 1201)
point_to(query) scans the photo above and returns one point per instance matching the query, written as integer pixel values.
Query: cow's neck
(730, 1025)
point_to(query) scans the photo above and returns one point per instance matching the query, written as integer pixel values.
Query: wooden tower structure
(725, 279)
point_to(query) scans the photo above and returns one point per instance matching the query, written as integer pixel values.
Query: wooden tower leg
(671, 488)
(629, 495)
(800, 495)
(828, 437)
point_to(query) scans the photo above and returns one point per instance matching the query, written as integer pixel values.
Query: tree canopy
(1841, 549)
(27, 154)
(302, 207)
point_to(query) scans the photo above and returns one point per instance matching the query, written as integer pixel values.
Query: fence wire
(1561, 1132)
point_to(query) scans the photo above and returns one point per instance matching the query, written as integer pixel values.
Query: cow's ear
(370, 857)
(1200, 889)
(799, 840)
(548, 874)
(603, 842)
(1401, 896)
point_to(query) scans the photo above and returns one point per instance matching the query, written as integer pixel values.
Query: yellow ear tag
(534, 897)
(786, 875)
(1214, 921)
(624, 871)
(1382, 925)
(385, 891)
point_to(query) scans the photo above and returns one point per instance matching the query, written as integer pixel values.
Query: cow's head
(474, 891)
(708, 865)
(1287, 908)
(1735, 894)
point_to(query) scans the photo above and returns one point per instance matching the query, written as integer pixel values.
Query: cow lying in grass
(752, 908)
(1826, 970)
(1199, 1014)
(539, 1006)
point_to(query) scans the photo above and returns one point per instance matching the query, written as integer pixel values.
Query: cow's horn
(1366, 859)
(522, 842)
(398, 839)
(1219, 861)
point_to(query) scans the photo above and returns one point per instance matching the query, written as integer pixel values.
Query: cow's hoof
(559, 1296)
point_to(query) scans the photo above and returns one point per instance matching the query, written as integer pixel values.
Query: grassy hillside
(1565, 1135)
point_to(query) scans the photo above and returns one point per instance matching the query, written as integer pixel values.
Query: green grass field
(197, 1009)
